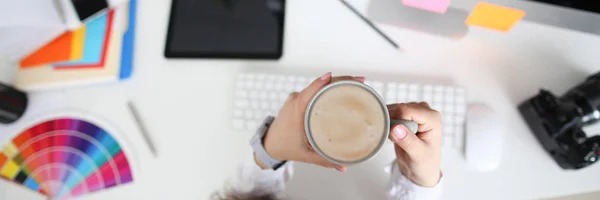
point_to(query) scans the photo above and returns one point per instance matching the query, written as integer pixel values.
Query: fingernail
(399, 132)
(360, 78)
(326, 76)
(341, 168)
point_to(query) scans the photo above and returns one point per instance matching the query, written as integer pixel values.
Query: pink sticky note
(438, 6)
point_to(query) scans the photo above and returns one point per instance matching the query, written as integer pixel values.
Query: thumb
(406, 140)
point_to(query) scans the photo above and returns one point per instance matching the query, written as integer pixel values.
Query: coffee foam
(347, 122)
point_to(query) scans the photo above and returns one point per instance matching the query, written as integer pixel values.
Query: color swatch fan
(64, 158)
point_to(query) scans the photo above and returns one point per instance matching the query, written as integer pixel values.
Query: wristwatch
(258, 147)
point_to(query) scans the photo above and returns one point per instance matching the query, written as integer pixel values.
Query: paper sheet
(495, 17)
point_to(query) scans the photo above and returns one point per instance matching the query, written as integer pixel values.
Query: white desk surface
(186, 103)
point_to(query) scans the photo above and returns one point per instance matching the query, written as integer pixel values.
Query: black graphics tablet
(226, 29)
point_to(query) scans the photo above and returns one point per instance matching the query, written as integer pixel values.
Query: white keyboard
(257, 95)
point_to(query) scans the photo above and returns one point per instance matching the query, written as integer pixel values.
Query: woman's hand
(286, 139)
(419, 155)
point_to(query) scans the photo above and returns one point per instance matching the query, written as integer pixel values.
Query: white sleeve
(401, 188)
(251, 181)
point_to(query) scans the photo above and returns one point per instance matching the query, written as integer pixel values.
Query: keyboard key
(275, 106)
(289, 87)
(392, 86)
(402, 87)
(299, 87)
(279, 86)
(449, 108)
(273, 96)
(448, 141)
(250, 76)
(254, 104)
(260, 77)
(260, 85)
(249, 84)
(240, 84)
(377, 84)
(252, 124)
(447, 119)
(238, 124)
(428, 88)
(253, 94)
(241, 93)
(260, 115)
(238, 113)
(390, 95)
(249, 114)
(269, 86)
(461, 110)
(262, 95)
(264, 105)
(448, 129)
(283, 96)
(241, 103)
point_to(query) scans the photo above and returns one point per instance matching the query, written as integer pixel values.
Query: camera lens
(586, 98)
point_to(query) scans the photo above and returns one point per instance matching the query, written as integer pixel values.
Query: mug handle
(411, 125)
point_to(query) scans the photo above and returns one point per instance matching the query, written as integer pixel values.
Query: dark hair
(221, 196)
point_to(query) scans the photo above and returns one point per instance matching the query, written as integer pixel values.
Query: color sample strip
(96, 43)
(438, 6)
(128, 43)
(494, 17)
(65, 158)
(77, 43)
(58, 50)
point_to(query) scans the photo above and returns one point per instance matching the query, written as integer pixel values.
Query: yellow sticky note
(10, 170)
(77, 43)
(10, 150)
(495, 17)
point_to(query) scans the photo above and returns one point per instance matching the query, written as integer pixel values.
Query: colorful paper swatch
(495, 17)
(47, 77)
(128, 39)
(96, 43)
(65, 158)
(77, 43)
(438, 6)
(58, 50)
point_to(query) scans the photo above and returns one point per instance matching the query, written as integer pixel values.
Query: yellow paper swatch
(9, 170)
(77, 43)
(495, 17)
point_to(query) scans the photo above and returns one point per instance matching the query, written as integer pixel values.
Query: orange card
(57, 50)
(495, 17)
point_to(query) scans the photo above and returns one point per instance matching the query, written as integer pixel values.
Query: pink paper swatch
(438, 6)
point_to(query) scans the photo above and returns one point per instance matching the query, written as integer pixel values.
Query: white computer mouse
(484, 137)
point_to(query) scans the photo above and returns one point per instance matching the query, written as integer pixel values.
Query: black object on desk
(226, 29)
(558, 123)
(12, 104)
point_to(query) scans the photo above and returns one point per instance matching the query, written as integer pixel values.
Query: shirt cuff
(252, 181)
(400, 187)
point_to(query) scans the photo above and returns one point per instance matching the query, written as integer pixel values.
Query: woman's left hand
(286, 139)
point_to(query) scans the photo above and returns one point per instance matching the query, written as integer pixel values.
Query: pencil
(371, 24)
(142, 127)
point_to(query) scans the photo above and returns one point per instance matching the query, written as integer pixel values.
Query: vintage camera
(557, 123)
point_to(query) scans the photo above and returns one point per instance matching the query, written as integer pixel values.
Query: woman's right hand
(419, 155)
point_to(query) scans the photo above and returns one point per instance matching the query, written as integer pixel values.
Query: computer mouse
(484, 136)
(12, 104)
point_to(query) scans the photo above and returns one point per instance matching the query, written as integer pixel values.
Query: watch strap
(258, 147)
